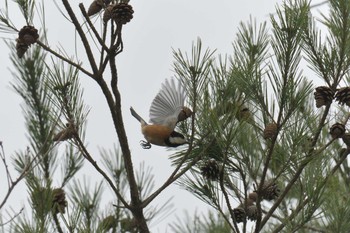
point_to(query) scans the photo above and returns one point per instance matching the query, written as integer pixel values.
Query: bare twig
(13, 217)
(97, 35)
(102, 66)
(174, 176)
(82, 35)
(87, 155)
(135, 206)
(57, 223)
(227, 200)
(13, 184)
(3, 158)
(69, 61)
(319, 4)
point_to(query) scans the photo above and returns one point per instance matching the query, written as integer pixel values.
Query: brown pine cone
(252, 212)
(343, 96)
(239, 214)
(27, 36)
(95, 7)
(122, 13)
(270, 131)
(107, 15)
(337, 130)
(59, 202)
(270, 190)
(65, 134)
(210, 170)
(21, 48)
(323, 96)
(253, 196)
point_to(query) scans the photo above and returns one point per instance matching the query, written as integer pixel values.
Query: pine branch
(297, 173)
(306, 200)
(57, 223)
(69, 61)
(227, 200)
(97, 35)
(11, 183)
(94, 164)
(174, 176)
(82, 37)
(135, 207)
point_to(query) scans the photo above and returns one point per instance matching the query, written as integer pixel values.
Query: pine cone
(270, 131)
(27, 36)
(244, 114)
(59, 202)
(122, 13)
(343, 96)
(210, 170)
(253, 196)
(65, 134)
(239, 214)
(95, 7)
(21, 48)
(270, 190)
(346, 139)
(107, 15)
(337, 130)
(252, 212)
(323, 96)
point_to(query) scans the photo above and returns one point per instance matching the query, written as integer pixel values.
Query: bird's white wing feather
(167, 104)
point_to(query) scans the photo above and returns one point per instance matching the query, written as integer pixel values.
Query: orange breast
(156, 134)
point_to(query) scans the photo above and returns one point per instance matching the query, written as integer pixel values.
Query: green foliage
(265, 82)
(198, 224)
(259, 151)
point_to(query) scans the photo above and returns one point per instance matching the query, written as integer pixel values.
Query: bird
(167, 109)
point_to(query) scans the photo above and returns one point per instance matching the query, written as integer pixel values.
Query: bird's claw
(145, 145)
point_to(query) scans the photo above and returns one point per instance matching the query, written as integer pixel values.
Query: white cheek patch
(177, 140)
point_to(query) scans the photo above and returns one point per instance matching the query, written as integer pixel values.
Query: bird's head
(184, 114)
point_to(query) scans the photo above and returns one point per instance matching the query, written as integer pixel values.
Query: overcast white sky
(157, 27)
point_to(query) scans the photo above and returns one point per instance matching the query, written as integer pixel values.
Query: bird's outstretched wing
(167, 104)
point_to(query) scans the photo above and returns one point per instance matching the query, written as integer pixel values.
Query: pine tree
(268, 142)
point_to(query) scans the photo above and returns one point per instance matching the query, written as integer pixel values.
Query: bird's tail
(137, 116)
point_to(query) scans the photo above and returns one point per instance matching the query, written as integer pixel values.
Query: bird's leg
(145, 144)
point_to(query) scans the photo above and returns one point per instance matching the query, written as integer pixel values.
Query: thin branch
(227, 200)
(57, 223)
(306, 201)
(104, 35)
(82, 36)
(174, 176)
(319, 4)
(87, 155)
(2, 155)
(87, 18)
(13, 185)
(122, 135)
(69, 61)
(13, 217)
(260, 225)
(262, 179)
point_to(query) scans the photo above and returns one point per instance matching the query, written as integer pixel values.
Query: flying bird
(167, 109)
